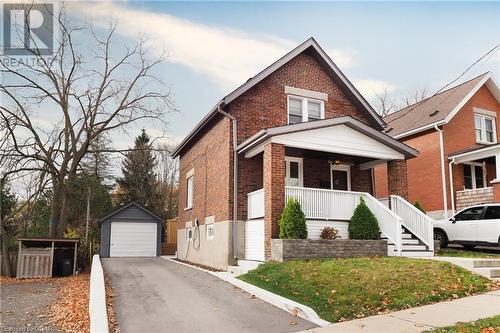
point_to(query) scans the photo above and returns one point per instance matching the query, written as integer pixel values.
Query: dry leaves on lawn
(113, 324)
(71, 311)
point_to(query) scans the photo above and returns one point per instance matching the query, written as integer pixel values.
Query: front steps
(243, 267)
(489, 268)
(412, 246)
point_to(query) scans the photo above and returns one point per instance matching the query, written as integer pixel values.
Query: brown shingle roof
(429, 110)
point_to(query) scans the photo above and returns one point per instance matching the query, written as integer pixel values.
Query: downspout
(443, 172)
(235, 179)
(452, 197)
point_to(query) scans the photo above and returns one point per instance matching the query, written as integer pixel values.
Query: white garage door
(254, 240)
(132, 239)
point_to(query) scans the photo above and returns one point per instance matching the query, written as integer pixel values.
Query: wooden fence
(34, 263)
(13, 263)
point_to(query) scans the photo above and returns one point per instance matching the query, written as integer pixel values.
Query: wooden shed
(46, 257)
(131, 231)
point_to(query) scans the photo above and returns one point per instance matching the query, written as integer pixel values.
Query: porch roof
(475, 153)
(344, 135)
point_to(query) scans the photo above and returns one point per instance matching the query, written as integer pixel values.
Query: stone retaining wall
(468, 198)
(284, 249)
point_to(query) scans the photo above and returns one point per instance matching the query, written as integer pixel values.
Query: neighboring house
(297, 129)
(456, 133)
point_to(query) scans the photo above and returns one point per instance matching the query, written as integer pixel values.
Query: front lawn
(466, 254)
(487, 325)
(344, 289)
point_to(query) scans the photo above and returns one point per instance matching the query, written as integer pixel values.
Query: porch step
(407, 247)
(489, 272)
(406, 235)
(486, 263)
(413, 241)
(417, 253)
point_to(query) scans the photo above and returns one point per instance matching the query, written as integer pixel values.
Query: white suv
(475, 225)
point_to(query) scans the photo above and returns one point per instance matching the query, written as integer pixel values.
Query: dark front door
(339, 178)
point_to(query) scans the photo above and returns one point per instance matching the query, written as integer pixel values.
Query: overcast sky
(215, 47)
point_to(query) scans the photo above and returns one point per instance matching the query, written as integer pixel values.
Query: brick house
(456, 133)
(297, 129)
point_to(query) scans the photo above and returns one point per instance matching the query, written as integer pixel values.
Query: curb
(303, 311)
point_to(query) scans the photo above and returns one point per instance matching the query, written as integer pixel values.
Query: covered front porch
(326, 165)
(474, 177)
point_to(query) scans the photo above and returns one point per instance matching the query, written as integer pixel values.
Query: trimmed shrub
(293, 221)
(363, 224)
(329, 233)
(418, 206)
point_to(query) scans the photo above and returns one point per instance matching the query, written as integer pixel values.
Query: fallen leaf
(291, 322)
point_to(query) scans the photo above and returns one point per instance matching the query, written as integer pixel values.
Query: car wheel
(469, 247)
(441, 237)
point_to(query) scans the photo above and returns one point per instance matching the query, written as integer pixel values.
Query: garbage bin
(67, 267)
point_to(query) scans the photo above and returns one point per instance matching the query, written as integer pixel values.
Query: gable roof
(438, 109)
(349, 121)
(132, 204)
(320, 55)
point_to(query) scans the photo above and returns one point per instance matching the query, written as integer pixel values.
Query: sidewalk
(425, 317)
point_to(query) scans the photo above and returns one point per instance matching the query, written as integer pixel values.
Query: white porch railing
(324, 204)
(414, 220)
(255, 204)
(388, 222)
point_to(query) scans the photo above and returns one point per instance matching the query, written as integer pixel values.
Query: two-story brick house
(456, 133)
(297, 129)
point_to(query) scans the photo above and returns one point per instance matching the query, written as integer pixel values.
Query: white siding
(133, 239)
(314, 228)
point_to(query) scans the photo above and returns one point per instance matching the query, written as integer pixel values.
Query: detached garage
(131, 231)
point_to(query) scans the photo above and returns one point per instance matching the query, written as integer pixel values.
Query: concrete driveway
(157, 295)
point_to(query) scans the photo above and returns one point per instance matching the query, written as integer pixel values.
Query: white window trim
(300, 161)
(306, 93)
(341, 167)
(305, 109)
(209, 227)
(483, 128)
(189, 196)
(473, 175)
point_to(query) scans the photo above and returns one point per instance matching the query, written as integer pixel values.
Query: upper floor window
(485, 129)
(302, 109)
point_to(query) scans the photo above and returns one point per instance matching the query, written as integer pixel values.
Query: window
(293, 171)
(470, 214)
(210, 231)
(189, 199)
(474, 176)
(485, 129)
(301, 109)
(492, 213)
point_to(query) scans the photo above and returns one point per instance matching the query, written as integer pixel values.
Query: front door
(294, 173)
(341, 177)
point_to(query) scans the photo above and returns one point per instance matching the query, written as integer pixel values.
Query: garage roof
(128, 206)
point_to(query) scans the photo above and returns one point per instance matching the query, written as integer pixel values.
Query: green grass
(487, 325)
(344, 289)
(466, 254)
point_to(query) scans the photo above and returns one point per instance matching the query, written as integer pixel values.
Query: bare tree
(168, 182)
(86, 91)
(384, 104)
(415, 97)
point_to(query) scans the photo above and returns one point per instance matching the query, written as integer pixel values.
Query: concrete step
(488, 272)
(486, 263)
(406, 235)
(249, 264)
(409, 247)
(412, 241)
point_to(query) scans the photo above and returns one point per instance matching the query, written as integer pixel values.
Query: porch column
(397, 178)
(495, 183)
(274, 192)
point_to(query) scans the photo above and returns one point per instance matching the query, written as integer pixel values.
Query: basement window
(210, 231)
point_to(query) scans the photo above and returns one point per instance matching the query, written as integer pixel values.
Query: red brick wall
(424, 171)
(211, 158)
(398, 178)
(265, 105)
